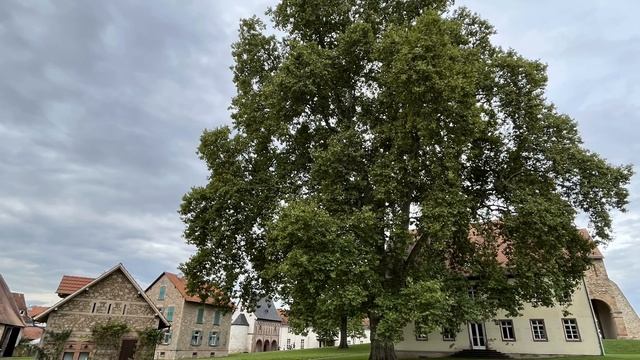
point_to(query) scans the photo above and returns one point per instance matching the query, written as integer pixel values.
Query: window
(506, 330)
(471, 291)
(537, 330)
(216, 317)
(288, 343)
(194, 355)
(83, 356)
(448, 335)
(212, 354)
(124, 309)
(93, 308)
(200, 316)
(169, 314)
(302, 344)
(214, 339)
(161, 354)
(67, 356)
(109, 309)
(162, 293)
(571, 332)
(196, 337)
(166, 339)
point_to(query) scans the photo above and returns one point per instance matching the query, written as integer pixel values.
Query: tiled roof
(181, 285)
(32, 332)
(42, 317)
(284, 316)
(36, 310)
(266, 310)
(20, 303)
(241, 320)
(70, 284)
(9, 313)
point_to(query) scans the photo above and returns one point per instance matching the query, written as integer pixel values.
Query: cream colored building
(539, 331)
(197, 329)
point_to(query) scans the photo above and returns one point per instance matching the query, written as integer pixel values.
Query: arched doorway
(274, 345)
(266, 346)
(606, 323)
(259, 346)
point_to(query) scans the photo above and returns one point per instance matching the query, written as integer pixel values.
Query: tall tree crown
(367, 142)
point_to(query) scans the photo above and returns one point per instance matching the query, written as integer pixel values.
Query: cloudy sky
(102, 105)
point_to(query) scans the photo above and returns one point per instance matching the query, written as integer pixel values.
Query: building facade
(615, 316)
(114, 296)
(538, 331)
(11, 321)
(198, 329)
(257, 331)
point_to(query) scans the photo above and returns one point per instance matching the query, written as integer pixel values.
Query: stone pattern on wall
(184, 323)
(264, 331)
(602, 288)
(78, 315)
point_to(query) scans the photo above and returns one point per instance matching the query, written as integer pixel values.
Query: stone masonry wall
(602, 288)
(184, 323)
(80, 316)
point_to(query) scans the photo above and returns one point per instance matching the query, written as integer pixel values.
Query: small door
(128, 349)
(476, 333)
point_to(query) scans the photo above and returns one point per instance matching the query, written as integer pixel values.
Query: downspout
(593, 317)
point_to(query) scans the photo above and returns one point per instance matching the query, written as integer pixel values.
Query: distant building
(258, 331)
(11, 322)
(291, 341)
(112, 296)
(197, 329)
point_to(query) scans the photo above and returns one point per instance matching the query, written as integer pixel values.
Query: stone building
(615, 316)
(198, 329)
(113, 296)
(257, 331)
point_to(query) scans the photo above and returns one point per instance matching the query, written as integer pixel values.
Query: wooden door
(127, 349)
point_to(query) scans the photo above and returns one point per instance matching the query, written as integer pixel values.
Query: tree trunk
(343, 333)
(380, 349)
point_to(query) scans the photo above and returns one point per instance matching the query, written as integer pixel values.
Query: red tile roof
(36, 310)
(32, 332)
(181, 284)
(284, 316)
(70, 284)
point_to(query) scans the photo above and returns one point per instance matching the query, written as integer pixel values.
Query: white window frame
(216, 337)
(507, 324)
(567, 322)
(536, 328)
(198, 339)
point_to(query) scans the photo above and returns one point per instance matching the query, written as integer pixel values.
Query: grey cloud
(102, 105)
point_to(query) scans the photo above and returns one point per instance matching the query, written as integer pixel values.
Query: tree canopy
(369, 139)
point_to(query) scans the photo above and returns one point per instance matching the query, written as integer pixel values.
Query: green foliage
(147, 341)
(54, 345)
(108, 336)
(367, 142)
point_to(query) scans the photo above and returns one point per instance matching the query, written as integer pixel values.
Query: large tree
(369, 139)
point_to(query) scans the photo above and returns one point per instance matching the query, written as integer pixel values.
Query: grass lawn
(615, 349)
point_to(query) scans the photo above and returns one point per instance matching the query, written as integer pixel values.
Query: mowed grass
(615, 349)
